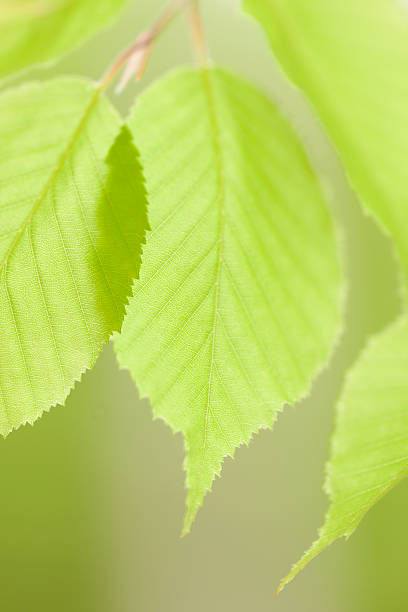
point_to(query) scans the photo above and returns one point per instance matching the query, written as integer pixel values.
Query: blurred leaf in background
(36, 31)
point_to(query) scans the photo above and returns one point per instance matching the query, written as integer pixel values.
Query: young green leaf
(72, 218)
(370, 447)
(38, 31)
(358, 85)
(237, 304)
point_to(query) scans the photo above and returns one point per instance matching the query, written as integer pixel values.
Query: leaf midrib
(62, 159)
(209, 94)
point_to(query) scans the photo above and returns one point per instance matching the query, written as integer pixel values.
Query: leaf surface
(351, 59)
(72, 219)
(237, 303)
(370, 446)
(38, 31)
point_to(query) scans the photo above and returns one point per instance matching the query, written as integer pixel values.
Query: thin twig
(139, 51)
(197, 32)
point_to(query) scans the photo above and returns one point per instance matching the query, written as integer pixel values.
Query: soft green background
(92, 497)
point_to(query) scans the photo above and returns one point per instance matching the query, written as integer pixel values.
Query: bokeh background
(92, 497)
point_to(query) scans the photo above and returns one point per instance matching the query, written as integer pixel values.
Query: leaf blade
(64, 275)
(369, 449)
(190, 337)
(41, 31)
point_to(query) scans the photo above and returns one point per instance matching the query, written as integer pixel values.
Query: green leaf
(72, 219)
(237, 304)
(351, 59)
(370, 447)
(38, 31)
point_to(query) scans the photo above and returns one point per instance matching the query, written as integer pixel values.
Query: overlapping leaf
(72, 219)
(237, 303)
(37, 31)
(351, 58)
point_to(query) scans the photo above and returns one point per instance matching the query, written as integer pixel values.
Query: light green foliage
(237, 304)
(370, 446)
(72, 218)
(351, 58)
(37, 31)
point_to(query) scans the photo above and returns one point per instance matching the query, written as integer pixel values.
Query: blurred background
(92, 497)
